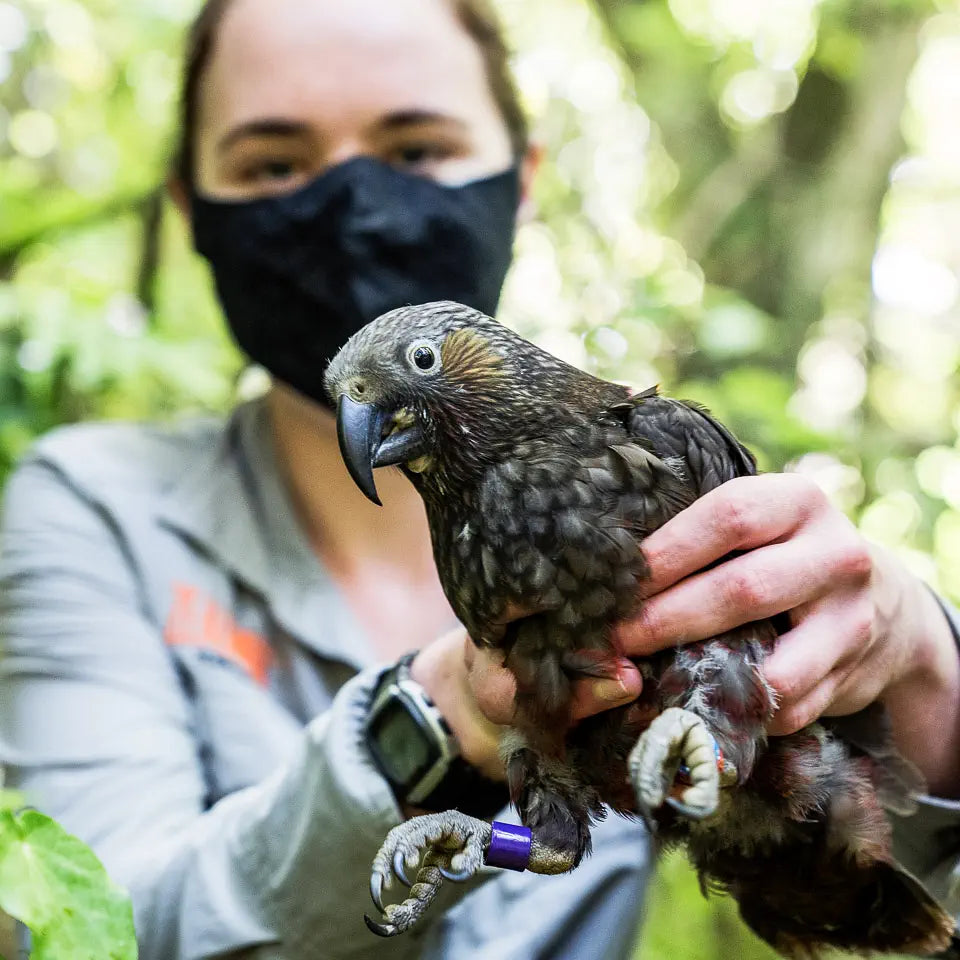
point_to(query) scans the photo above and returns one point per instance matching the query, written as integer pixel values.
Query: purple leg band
(509, 846)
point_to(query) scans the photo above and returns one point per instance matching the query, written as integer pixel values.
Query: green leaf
(53, 883)
(11, 800)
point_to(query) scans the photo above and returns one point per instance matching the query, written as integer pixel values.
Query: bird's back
(556, 525)
(546, 553)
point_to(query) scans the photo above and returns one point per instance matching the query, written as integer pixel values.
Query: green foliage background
(53, 883)
(756, 204)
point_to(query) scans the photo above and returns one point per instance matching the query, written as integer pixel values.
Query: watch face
(403, 751)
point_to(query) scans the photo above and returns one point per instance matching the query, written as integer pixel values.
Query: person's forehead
(341, 58)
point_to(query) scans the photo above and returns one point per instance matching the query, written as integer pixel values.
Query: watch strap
(465, 788)
(462, 786)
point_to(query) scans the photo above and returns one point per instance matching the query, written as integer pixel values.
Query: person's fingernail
(610, 690)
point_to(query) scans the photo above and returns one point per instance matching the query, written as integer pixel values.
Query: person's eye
(271, 171)
(419, 154)
(414, 154)
(271, 174)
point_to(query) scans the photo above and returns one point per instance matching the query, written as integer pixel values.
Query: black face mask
(297, 274)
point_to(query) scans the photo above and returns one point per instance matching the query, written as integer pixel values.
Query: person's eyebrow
(262, 128)
(414, 117)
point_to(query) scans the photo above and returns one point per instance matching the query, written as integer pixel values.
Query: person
(204, 624)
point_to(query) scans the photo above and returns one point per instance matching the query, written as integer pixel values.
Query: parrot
(540, 483)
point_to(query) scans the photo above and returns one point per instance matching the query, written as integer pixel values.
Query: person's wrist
(923, 694)
(926, 657)
(440, 669)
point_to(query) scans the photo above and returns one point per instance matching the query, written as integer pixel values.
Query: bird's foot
(447, 845)
(678, 741)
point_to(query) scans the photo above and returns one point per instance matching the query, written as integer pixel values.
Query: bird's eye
(424, 357)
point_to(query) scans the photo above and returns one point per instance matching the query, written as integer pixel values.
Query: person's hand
(476, 693)
(494, 687)
(862, 627)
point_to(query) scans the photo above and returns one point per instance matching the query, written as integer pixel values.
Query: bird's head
(439, 389)
(411, 381)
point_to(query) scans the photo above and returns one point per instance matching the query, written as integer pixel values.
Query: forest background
(755, 203)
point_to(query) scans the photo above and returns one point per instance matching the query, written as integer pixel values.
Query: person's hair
(476, 16)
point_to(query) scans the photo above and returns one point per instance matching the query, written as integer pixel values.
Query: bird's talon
(400, 868)
(376, 890)
(432, 844)
(456, 876)
(380, 929)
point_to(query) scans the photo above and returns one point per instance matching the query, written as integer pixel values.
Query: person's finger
(594, 696)
(791, 717)
(494, 687)
(862, 686)
(830, 639)
(752, 586)
(741, 514)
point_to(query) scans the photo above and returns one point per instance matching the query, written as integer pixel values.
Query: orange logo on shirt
(196, 621)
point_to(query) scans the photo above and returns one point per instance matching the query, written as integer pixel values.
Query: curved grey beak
(363, 446)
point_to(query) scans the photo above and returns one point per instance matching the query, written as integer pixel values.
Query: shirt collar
(235, 506)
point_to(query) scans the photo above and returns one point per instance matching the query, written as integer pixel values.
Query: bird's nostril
(359, 388)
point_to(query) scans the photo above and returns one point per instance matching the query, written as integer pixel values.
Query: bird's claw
(447, 845)
(400, 871)
(458, 876)
(676, 737)
(376, 890)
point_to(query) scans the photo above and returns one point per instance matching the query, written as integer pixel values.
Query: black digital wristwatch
(415, 750)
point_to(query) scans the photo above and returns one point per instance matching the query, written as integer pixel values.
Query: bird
(540, 483)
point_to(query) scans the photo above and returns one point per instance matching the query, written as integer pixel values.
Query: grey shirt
(184, 688)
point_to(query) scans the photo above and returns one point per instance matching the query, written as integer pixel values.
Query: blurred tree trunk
(830, 224)
(785, 211)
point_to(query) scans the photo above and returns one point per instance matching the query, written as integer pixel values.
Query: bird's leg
(553, 801)
(439, 846)
(675, 738)
(717, 706)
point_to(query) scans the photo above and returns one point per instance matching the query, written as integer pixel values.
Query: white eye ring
(424, 357)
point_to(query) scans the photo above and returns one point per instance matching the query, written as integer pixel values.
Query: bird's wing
(677, 429)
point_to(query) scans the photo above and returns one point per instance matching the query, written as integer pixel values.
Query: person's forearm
(282, 865)
(924, 704)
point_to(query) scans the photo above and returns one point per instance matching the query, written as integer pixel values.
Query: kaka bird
(540, 483)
